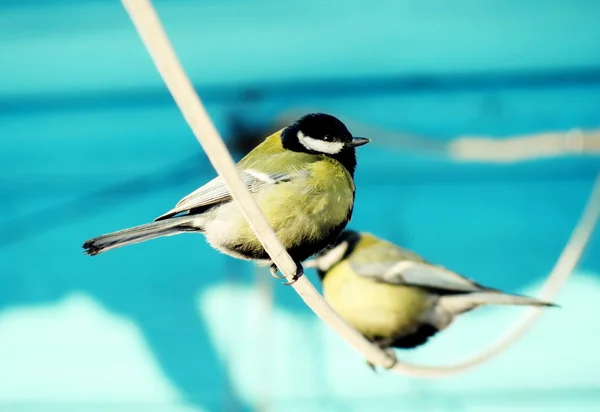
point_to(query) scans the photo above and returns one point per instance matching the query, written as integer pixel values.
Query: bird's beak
(358, 141)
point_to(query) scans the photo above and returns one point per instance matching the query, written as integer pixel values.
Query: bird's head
(338, 251)
(320, 133)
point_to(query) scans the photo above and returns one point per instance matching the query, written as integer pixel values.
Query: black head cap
(320, 133)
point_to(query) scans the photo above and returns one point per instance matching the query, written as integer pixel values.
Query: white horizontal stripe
(320, 146)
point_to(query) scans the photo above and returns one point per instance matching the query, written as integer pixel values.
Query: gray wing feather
(216, 191)
(411, 273)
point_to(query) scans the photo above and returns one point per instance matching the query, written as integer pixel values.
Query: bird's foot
(392, 356)
(299, 272)
(273, 269)
(297, 275)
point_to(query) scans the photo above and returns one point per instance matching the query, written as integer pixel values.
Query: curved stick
(148, 25)
(553, 284)
(155, 39)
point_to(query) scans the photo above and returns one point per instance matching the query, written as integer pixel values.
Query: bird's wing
(216, 191)
(412, 273)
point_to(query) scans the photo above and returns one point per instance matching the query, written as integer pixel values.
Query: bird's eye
(327, 138)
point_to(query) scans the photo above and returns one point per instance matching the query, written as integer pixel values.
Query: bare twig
(550, 289)
(560, 274)
(150, 30)
(483, 149)
(154, 37)
(520, 148)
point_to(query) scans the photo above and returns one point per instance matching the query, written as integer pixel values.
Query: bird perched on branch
(395, 298)
(302, 178)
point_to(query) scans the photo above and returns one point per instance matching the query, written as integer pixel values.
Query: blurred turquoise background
(92, 142)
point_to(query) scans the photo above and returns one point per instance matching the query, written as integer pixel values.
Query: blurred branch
(481, 148)
(563, 268)
(527, 147)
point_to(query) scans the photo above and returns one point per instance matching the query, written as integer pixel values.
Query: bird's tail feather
(139, 234)
(457, 304)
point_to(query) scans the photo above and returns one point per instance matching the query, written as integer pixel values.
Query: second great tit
(395, 298)
(302, 178)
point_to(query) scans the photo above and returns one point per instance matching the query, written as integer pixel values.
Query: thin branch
(485, 149)
(150, 30)
(527, 147)
(563, 268)
(155, 39)
(560, 274)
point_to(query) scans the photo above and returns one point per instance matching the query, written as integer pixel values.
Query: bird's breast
(305, 217)
(375, 309)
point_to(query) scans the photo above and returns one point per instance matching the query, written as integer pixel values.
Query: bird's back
(371, 249)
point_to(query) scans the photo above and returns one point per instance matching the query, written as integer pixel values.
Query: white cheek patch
(320, 146)
(331, 257)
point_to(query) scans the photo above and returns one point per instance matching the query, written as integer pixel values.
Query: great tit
(302, 178)
(394, 297)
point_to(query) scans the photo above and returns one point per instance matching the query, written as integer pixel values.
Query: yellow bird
(395, 298)
(302, 178)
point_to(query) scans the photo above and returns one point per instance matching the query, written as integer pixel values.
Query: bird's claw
(299, 272)
(393, 358)
(273, 269)
(392, 355)
(297, 275)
